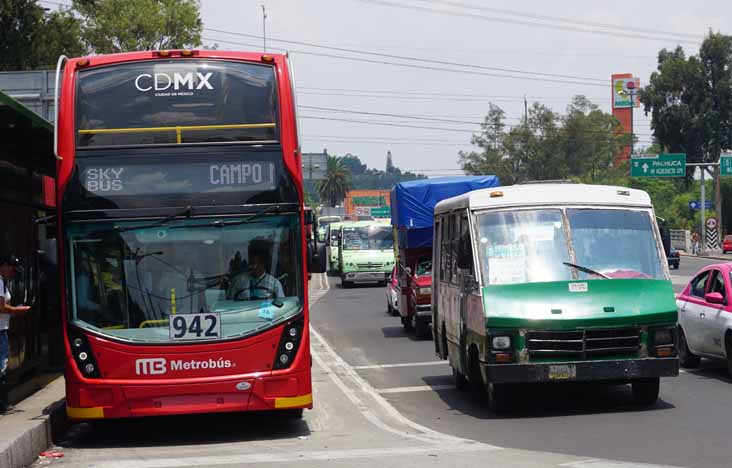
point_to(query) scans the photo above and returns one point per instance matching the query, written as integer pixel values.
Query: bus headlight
(289, 344)
(501, 342)
(663, 337)
(82, 354)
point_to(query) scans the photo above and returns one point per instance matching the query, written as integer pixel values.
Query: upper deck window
(175, 102)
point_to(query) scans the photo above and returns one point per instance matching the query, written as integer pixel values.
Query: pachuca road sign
(658, 165)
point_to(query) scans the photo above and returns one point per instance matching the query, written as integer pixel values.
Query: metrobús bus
(181, 237)
(552, 283)
(366, 252)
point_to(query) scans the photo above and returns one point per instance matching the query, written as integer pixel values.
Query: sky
(470, 53)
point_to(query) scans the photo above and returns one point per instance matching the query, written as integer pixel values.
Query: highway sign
(658, 165)
(696, 205)
(725, 164)
(381, 212)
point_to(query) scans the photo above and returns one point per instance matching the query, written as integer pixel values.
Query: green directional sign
(725, 165)
(381, 212)
(658, 165)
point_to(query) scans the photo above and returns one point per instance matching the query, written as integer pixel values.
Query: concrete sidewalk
(719, 257)
(26, 429)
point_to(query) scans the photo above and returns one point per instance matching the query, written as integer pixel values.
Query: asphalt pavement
(689, 425)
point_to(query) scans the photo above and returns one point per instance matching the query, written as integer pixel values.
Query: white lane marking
(335, 366)
(416, 388)
(401, 364)
(294, 456)
(600, 463)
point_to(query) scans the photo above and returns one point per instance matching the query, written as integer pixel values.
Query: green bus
(366, 252)
(552, 283)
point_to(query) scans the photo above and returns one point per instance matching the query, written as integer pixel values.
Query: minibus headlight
(424, 291)
(501, 342)
(663, 337)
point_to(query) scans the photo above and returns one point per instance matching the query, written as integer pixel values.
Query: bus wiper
(586, 270)
(187, 212)
(220, 223)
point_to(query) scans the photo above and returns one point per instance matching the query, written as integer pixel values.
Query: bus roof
(546, 194)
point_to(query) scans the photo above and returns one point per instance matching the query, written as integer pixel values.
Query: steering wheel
(270, 293)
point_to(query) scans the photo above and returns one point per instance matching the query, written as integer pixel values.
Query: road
(366, 367)
(689, 426)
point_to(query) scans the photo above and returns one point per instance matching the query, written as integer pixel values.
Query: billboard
(625, 90)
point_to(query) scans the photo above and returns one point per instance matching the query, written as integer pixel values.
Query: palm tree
(337, 181)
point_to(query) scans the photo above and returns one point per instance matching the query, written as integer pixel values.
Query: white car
(705, 316)
(392, 293)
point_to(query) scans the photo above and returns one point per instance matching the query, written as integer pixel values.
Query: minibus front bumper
(622, 370)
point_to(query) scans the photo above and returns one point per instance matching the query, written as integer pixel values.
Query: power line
(420, 67)
(418, 59)
(388, 124)
(433, 93)
(658, 32)
(528, 23)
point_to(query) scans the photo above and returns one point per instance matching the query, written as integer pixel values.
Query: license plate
(563, 372)
(195, 327)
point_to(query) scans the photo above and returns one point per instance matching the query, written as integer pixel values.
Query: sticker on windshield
(506, 270)
(577, 287)
(507, 251)
(266, 311)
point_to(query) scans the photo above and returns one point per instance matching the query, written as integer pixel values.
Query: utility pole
(264, 29)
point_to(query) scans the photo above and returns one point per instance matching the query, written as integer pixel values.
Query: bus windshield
(530, 246)
(367, 238)
(129, 278)
(176, 101)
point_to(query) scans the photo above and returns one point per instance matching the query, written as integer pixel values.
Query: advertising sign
(625, 92)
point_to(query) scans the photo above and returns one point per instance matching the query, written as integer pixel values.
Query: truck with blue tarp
(412, 218)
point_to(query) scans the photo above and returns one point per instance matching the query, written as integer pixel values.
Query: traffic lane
(688, 266)
(354, 319)
(685, 428)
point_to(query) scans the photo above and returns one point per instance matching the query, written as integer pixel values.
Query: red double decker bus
(181, 235)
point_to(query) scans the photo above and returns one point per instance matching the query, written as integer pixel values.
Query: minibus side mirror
(464, 257)
(309, 218)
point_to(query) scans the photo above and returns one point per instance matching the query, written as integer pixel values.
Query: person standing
(695, 243)
(9, 265)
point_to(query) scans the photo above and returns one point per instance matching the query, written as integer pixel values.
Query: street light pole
(264, 29)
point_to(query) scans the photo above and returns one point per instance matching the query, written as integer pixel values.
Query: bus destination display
(175, 179)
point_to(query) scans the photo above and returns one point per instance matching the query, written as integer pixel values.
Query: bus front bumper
(583, 371)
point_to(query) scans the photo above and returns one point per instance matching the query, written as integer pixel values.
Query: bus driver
(256, 283)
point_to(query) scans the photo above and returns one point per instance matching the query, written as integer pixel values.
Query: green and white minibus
(550, 283)
(366, 252)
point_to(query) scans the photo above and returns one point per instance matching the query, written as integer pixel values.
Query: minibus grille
(582, 344)
(369, 266)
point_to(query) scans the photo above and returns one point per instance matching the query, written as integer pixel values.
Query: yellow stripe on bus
(291, 402)
(85, 413)
(176, 129)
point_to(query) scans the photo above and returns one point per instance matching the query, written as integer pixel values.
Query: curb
(31, 427)
(708, 257)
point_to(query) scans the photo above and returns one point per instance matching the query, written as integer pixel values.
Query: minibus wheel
(645, 391)
(498, 397)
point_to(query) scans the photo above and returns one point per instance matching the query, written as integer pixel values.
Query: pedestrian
(9, 265)
(695, 243)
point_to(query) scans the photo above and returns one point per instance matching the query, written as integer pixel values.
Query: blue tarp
(413, 204)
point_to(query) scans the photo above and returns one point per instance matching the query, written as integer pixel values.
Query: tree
(30, 38)
(690, 102)
(579, 144)
(337, 181)
(354, 164)
(126, 25)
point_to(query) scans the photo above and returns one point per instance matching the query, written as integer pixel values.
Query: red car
(727, 244)
(421, 300)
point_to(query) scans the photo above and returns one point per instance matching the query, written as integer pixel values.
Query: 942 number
(195, 327)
